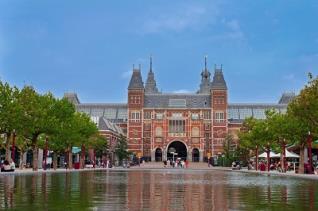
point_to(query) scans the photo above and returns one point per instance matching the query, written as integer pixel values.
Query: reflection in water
(168, 189)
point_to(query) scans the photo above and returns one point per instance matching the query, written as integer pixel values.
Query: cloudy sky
(89, 47)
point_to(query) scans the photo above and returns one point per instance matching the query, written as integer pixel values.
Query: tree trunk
(21, 159)
(301, 160)
(256, 158)
(282, 158)
(35, 157)
(82, 159)
(7, 144)
(54, 160)
(70, 158)
(268, 159)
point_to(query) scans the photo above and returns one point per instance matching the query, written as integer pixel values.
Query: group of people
(178, 163)
(7, 166)
(262, 166)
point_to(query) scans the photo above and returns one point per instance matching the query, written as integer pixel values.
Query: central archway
(179, 148)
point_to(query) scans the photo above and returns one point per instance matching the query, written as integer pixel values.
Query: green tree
(37, 117)
(229, 147)
(121, 150)
(23, 145)
(99, 144)
(83, 130)
(282, 128)
(249, 139)
(10, 113)
(304, 109)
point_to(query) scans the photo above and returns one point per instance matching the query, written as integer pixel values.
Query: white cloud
(180, 19)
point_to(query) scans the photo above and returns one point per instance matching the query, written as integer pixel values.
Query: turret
(136, 80)
(136, 93)
(205, 79)
(218, 82)
(151, 87)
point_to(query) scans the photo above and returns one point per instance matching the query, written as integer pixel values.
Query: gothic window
(219, 116)
(135, 116)
(135, 99)
(176, 126)
(147, 115)
(206, 115)
(195, 116)
(159, 115)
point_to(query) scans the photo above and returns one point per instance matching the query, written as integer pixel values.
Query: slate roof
(166, 100)
(136, 80)
(237, 112)
(71, 97)
(218, 81)
(286, 97)
(114, 112)
(105, 124)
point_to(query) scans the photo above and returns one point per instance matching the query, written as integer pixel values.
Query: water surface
(167, 189)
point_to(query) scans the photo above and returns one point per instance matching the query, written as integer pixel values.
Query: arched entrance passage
(179, 149)
(195, 155)
(158, 155)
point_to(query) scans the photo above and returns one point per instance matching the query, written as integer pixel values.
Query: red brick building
(194, 125)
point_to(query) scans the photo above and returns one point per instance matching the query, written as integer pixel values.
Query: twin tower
(196, 123)
(206, 85)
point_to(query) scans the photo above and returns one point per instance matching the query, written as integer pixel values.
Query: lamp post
(309, 143)
(13, 146)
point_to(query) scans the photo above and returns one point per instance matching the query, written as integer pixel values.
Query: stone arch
(179, 147)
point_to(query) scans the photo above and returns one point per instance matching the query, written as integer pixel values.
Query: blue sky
(89, 47)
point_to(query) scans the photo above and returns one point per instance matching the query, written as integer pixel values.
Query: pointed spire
(150, 63)
(205, 78)
(151, 86)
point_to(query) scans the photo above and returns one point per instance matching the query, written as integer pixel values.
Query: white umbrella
(271, 155)
(289, 154)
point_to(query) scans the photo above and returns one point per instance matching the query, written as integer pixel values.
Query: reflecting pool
(167, 189)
